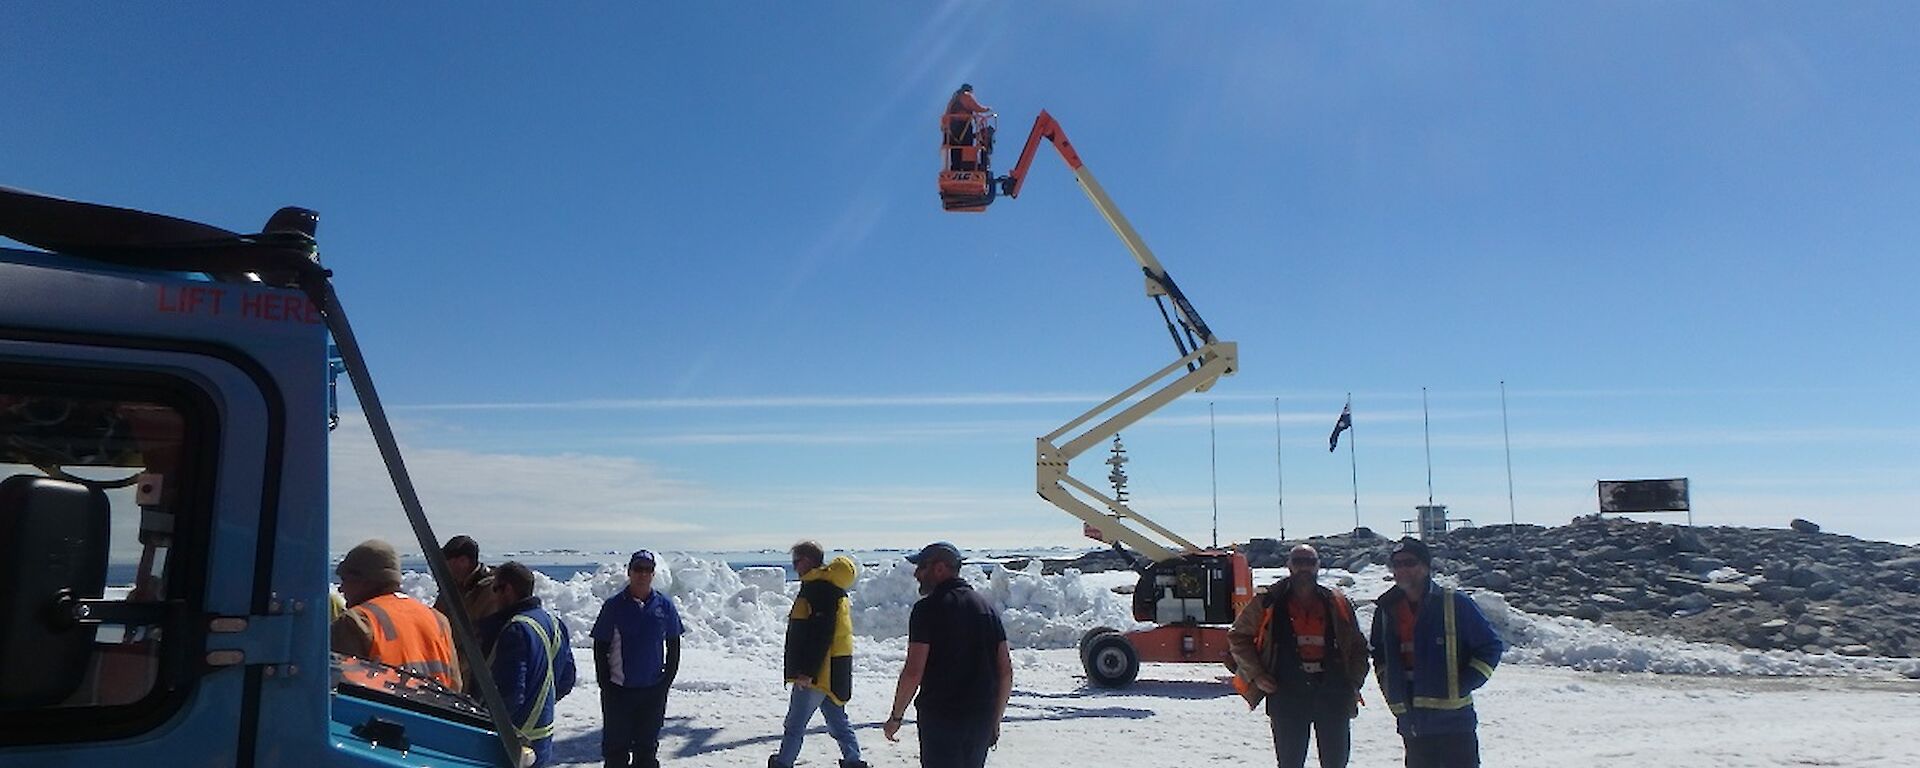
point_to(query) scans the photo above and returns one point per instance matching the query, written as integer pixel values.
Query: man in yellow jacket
(819, 654)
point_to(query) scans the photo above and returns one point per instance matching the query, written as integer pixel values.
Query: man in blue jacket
(531, 654)
(1431, 648)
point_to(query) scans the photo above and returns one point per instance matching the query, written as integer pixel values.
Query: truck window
(101, 488)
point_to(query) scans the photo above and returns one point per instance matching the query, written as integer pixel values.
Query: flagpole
(1426, 434)
(1213, 461)
(1353, 460)
(1513, 517)
(1279, 470)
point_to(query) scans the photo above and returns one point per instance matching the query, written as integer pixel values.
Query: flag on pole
(1344, 423)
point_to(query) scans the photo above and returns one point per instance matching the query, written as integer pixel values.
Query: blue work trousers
(1445, 750)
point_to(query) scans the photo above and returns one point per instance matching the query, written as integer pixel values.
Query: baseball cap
(1415, 547)
(938, 550)
(461, 546)
(642, 557)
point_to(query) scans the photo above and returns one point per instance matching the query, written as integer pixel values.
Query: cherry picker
(1191, 592)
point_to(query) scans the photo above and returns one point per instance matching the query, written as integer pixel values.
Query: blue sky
(676, 275)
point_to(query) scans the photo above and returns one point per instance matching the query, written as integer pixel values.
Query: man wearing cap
(475, 590)
(386, 625)
(1431, 648)
(957, 660)
(1300, 649)
(474, 577)
(636, 653)
(530, 654)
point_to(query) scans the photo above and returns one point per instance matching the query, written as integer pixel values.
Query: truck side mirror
(55, 551)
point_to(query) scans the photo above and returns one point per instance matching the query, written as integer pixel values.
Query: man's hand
(1267, 685)
(995, 741)
(892, 728)
(802, 680)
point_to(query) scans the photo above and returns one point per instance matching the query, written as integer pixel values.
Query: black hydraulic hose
(1174, 331)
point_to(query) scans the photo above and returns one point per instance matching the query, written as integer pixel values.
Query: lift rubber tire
(1111, 661)
(1087, 639)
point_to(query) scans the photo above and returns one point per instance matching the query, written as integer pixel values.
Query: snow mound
(744, 614)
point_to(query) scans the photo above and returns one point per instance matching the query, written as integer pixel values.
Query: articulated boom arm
(1114, 519)
(1159, 283)
(1203, 357)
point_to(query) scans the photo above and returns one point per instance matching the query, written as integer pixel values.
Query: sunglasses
(1304, 560)
(1404, 563)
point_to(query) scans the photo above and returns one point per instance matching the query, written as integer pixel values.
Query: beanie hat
(373, 560)
(1415, 547)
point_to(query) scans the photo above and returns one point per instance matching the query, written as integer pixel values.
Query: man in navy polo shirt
(636, 651)
(957, 663)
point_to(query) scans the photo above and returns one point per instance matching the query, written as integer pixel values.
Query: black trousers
(1320, 706)
(1445, 750)
(631, 718)
(947, 742)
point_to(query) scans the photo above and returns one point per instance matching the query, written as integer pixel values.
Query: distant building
(1430, 520)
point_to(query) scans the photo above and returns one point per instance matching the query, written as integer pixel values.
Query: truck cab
(164, 572)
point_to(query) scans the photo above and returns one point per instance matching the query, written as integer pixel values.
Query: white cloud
(536, 501)
(791, 402)
(511, 501)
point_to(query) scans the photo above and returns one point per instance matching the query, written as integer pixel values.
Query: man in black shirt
(958, 661)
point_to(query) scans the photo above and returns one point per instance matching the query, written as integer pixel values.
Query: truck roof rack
(128, 237)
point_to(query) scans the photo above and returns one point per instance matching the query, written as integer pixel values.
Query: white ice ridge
(743, 613)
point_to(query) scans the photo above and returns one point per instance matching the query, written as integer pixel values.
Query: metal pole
(1513, 517)
(1280, 470)
(1426, 431)
(1213, 460)
(1352, 439)
(320, 289)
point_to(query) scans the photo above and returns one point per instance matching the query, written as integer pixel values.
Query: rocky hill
(1753, 587)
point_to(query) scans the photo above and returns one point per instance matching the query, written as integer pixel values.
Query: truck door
(136, 477)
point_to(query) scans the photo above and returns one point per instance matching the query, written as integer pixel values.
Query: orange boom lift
(1191, 593)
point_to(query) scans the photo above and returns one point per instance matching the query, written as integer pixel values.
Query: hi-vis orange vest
(1312, 630)
(409, 635)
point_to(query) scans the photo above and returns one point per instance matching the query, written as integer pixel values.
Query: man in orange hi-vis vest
(1299, 647)
(961, 108)
(384, 624)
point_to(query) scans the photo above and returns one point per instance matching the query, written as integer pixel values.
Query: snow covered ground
(1570, 693)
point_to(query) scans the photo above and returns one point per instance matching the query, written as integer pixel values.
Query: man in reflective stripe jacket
(531, 654)
(383, 624)
(1431, 648)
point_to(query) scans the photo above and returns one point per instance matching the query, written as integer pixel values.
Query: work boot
(853, 764)
(773, 761)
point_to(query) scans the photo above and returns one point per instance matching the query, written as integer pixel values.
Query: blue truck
(164, 571)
